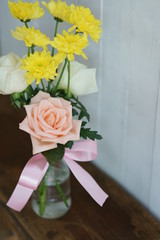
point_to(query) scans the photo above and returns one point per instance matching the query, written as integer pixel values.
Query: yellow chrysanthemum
(39, 65)
(31, 37)
(84, 21)
(59, 58)
(70, 44)
(25, 11)
(58, 9)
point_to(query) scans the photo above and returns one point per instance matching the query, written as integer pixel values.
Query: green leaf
(83, 124)
(54, 155)
(16, 104)
(69, 144)
(28, 92)
(87, 133)
(78, 105)
(59, 93)
(74, 112)
(84, 113)
(73, 104)
(18, 99)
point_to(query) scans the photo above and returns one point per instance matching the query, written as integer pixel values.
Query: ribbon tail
(87, 181)
(29, 180)
(19, 197)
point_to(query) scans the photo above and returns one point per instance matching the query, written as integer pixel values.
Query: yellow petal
(70, 57)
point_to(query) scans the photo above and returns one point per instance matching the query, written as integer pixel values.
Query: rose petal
(49, 122)
(39, 146)
(40, 95)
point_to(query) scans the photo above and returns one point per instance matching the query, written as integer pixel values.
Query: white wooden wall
(129, 94)
(126, 109)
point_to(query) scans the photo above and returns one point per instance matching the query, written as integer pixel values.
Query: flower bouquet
(47, 82)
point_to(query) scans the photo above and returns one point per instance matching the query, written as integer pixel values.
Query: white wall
(126, 109)
(129, 92)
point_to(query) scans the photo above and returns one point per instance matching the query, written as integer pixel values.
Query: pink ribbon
(37, 166)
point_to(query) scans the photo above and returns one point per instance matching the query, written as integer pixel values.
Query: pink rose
(49, 121)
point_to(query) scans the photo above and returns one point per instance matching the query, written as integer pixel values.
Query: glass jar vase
(52, 199)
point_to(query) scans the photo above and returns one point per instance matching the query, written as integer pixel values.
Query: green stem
(59, 189)
(76, 99)
(43, 85)
(32, 49)
(56, 87)
(68, 86)
(23, 94)
(29, 51)
(42, 197)
(49, 84)
(38, 88)
(52, 54)
(26, 24)
(55, 33)
(29, 91)
(78, 107)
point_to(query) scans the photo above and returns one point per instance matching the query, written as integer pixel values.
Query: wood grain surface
(121, 217)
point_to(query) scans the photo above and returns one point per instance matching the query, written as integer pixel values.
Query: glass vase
(52, 199)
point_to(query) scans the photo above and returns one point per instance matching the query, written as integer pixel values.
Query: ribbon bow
(37, 166)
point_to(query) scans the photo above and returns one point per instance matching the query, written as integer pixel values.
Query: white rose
(82, 79)
(11, 76)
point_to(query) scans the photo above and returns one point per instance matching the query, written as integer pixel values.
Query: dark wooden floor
(121, 218)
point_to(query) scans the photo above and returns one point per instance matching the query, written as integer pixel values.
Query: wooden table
(121, 218)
